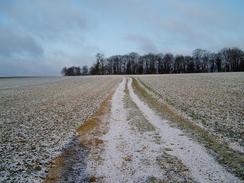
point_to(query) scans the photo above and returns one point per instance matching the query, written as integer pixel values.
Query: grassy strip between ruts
(232, 160)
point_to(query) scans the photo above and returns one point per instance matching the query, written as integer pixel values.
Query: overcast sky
(39, 37)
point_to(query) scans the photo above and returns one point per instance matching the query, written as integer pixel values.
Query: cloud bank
(40, 37)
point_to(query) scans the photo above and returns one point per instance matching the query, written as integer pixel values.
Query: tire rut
(126, 141)
(202, 165)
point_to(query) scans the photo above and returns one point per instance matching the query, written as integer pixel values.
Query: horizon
(35, 40)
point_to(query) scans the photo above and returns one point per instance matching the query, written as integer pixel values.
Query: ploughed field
(213, 101)
(38, 116)
(144, 128)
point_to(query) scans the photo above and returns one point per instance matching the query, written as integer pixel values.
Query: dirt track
(127, 141)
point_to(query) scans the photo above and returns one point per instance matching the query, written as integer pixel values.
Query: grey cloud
(35, 30)
(46, 19)
(184, 32)
(19, 67)
(144, 43)
(14, 43)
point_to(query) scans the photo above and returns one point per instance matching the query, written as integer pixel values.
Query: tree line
(75, 71)
(226, 60)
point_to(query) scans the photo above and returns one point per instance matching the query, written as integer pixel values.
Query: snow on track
(128, 157)
(202, 166)
(112, 156)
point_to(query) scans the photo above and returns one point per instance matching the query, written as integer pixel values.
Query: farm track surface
(127, 141)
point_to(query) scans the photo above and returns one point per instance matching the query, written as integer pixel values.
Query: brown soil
(88, 135)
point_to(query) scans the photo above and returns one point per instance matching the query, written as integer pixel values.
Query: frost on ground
(117, 146)
(139, 146)
(125, 141)
(202, 166)
(38, 117)
(132, 154)
(214, 101)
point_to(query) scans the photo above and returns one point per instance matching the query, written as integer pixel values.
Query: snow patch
(128, 157)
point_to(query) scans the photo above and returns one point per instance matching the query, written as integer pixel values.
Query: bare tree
(84, 70)
(227, 59)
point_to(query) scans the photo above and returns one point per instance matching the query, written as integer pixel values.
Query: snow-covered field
(214, 101)
(136, 144)
(108, 128)
(38, 117)
(202, 166)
